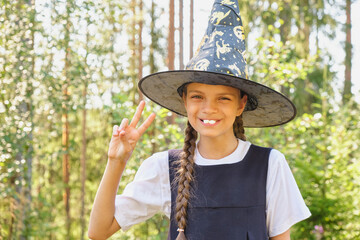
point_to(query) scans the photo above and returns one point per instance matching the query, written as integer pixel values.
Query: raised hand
(126, 135)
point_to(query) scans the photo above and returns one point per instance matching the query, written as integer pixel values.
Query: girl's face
(212, 109)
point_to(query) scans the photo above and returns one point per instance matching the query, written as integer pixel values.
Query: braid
(238, 127)
(184, 176)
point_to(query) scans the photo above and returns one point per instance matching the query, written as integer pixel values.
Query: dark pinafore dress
(229, 200)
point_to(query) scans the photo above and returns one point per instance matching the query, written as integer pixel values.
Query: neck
(215, 148)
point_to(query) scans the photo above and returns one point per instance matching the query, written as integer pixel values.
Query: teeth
(210, 121)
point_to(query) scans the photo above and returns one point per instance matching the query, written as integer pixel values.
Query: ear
(242, 104)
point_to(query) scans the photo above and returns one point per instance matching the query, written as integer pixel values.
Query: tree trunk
(191, 28)
(171, 41)
(181, 33)
(66, 164)
(83, 163)
(25, 22)
(65, 124)
(171, 47)
(153, 39)
(140, 47)
(285, 15)
(29, 93)
(306, 29)
(132, 46)
(348, 54)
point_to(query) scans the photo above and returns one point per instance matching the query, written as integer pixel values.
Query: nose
(209, 107)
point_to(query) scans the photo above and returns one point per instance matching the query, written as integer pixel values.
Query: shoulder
(277, 159)
(259, 149)
(279, 172)
(154, 165)
(277, 165)
(157, 157)
(276, 155)
(262, 154)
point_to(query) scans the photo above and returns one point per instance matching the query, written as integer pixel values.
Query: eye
(225, 99)
(196, 97)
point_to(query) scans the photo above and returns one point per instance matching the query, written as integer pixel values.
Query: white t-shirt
(150, 191)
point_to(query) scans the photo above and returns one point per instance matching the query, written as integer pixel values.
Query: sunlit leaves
(321, 144)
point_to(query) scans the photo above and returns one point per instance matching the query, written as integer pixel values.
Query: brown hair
(184, 176)
(185, 172)
(238, 127)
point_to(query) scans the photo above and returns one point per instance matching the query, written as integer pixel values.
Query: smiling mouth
(208, 122)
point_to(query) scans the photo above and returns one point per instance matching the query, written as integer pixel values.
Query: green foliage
(16, 112)
(330, 167)
(322, 151)
(277, 64)
(321, 144)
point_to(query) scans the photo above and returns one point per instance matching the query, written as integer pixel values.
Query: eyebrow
(225, 93)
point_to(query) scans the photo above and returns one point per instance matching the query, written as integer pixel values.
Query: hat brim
(273, 108)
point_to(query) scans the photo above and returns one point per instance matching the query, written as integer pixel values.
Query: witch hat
(220, 61)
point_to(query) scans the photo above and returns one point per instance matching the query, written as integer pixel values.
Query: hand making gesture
(125, 136)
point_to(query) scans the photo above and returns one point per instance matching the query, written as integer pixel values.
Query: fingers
(115, 132)
(123, 125)
(120, 130)
(137, 115)
(146, 123)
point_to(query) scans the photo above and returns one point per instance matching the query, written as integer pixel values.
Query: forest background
(69, 71)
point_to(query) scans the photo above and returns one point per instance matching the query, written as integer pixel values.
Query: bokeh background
(69, 71)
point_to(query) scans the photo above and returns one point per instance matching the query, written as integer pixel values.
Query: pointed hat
(220, 60)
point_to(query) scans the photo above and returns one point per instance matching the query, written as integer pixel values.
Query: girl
(219, 185)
